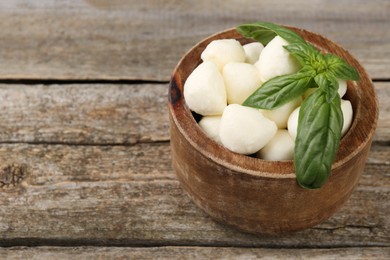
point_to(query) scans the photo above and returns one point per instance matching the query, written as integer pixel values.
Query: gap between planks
(88, 144)
(58, 81)
(123, 243)
(54, 81)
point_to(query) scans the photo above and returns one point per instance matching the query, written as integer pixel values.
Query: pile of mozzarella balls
(228, 74)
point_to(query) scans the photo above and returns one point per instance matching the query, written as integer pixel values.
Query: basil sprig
(320, 119)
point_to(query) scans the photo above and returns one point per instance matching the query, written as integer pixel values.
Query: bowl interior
(361, 94)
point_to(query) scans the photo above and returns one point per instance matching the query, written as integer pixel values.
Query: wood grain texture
(88, 166)
(84, 114)
(129, 195)
(171, 252)
(105, 113)
(382, 133)
(129, 39)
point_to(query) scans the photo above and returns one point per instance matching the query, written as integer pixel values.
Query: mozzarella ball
(281, 147)
(275, 60)
(245, 130)
(342, 89)
(252, 52)
(281, 114)
(223, 51)
(210, 125)
(241, 80)
(204, 90)
(292, 123)
(346, 107)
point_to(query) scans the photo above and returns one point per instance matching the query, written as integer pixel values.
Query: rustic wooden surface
(170, 252)
(85, 165)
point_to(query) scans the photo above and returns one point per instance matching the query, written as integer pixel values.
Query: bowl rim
(357, 136)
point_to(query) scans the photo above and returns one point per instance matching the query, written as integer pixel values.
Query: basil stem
(318, 137)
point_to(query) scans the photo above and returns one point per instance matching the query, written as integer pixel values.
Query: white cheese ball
(275, 60)
(241, 80)
(346, 107)
(280, 148)
(252, 52)
(223, 51)
(210, 125)
(245, 130)
(342, 89)
(281, 114)
(204, 90)
(292, 123)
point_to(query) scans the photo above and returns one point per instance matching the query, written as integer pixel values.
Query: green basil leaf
(318, 139)
(280, 90)
(329, 84)
(305, 53)
(264, 32)
(340, 68)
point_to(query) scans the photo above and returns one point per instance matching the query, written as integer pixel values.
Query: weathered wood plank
(129, 195)
(104, 113)
(98, 114)
(128, 39)
(171, 252)
(383, 130)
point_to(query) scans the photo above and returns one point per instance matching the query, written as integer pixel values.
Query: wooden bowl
(260, 196)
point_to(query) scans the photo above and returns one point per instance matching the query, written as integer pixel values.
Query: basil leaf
(305, 53)
(280, 90)
(329, 84)
(318, 139)
(264, 32)
(340, 68)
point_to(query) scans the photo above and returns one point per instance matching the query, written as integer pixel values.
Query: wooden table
(85, 164)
